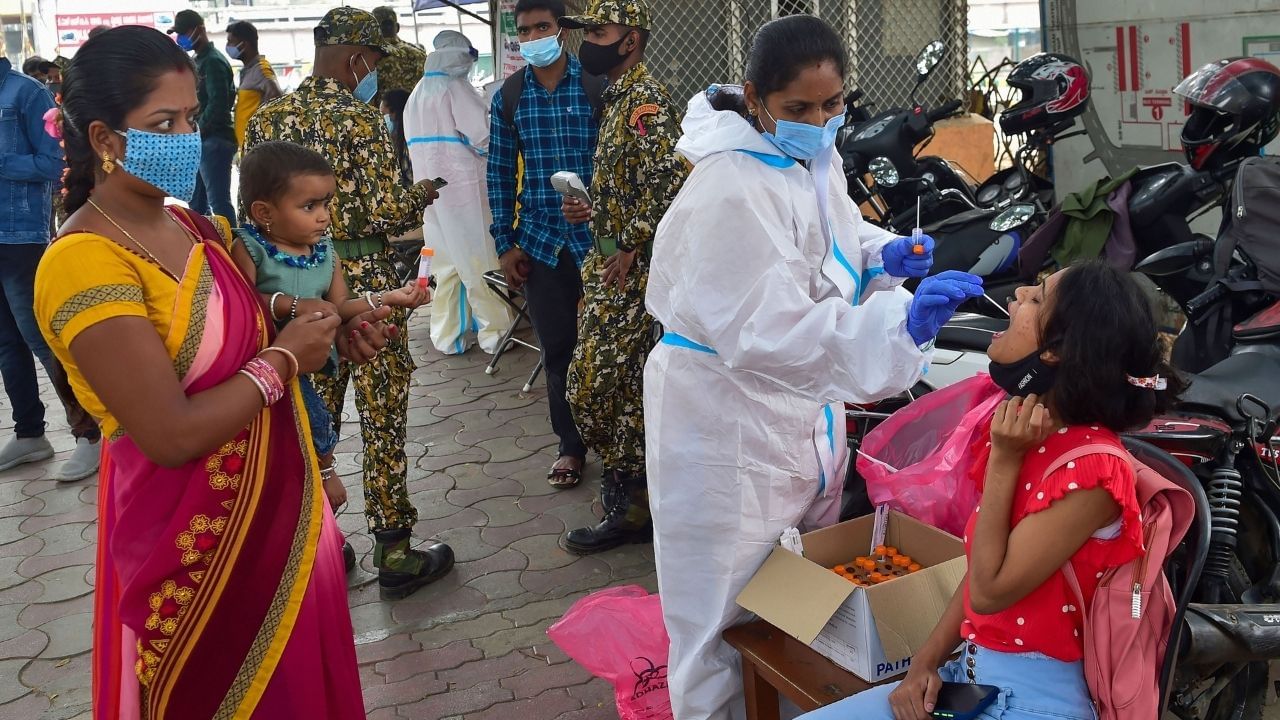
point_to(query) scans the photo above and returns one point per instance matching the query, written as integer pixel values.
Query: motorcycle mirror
(928, 59)
(1172, 260)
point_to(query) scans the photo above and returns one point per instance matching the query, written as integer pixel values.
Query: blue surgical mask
(367, 87)
(543, 51)
(390, 122)
(186, 43)
(167, 162)
(234, 52)
(803, 141)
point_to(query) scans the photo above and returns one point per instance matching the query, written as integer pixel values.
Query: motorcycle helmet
(1236, 110)
(1054, 88)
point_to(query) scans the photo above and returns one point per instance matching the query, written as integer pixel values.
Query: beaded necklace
(319, 252)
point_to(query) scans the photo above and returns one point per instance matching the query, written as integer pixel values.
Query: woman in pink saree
(220, 583)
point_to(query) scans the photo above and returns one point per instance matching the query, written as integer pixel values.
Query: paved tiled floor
(471, 646)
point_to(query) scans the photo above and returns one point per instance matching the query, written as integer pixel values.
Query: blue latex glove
(936, 301)
(900, 258)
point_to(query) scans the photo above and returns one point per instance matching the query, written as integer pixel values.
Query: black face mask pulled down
(1028, 376)
(600, 59)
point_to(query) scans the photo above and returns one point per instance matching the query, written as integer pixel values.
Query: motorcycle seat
(1218, 389)
(970, 331)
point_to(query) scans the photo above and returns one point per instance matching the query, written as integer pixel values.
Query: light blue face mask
(803, 141)
(390, 122)
(543, 51)
(167, 162)
(367, 87)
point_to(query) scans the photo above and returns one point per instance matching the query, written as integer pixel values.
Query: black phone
(963, 701)
(439, 183)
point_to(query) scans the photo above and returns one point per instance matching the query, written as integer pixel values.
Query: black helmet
(1236, 113)
(1054, 88)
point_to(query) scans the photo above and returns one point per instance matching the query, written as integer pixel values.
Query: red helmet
(1236, 110)
(1054, 88)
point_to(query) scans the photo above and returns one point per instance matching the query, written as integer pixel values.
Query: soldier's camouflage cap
(632, 13)
(351, 26)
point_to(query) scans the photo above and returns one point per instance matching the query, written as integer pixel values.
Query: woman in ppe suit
(779, 304)
(446, 124)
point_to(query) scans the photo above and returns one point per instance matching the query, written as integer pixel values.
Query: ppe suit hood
(708, 131)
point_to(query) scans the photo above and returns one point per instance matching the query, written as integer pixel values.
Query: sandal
(563, 478)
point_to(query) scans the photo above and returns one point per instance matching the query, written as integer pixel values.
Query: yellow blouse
(85, 279)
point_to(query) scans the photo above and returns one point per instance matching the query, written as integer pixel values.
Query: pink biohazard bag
(918, 460)
(617, 634)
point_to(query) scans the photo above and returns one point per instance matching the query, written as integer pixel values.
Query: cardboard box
(871, 632)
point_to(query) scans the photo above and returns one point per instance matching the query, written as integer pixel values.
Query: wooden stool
(775, 663)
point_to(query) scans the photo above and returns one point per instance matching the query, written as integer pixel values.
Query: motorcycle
(884, 147)
(979, 228)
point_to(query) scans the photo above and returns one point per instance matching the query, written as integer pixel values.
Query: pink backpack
(1126, 628)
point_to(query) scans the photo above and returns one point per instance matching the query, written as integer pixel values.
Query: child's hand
(410, 296)
(1018, 426)
(316, 305)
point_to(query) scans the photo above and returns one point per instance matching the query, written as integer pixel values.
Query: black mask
(1028, 376)
(600, 59)
(55, 88)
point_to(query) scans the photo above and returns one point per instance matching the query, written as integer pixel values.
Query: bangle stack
(288, 356)
(293, 309)
(368, 297)
(265, 377)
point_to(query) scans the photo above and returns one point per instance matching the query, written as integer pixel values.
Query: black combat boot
(626, 517)
(403, 570)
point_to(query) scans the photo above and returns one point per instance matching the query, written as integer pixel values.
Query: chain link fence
(699, 42)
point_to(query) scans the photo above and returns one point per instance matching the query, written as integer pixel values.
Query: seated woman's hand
(917, 694)
(1018, 426)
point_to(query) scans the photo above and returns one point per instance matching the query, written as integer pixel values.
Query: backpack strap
(1075, 454)
(512, 89)
(1090, 449)
(1070, 574)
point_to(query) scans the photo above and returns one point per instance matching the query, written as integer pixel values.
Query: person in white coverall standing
(779, 303)
(446, 125)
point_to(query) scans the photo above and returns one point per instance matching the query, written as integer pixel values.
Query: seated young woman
(1082, 362)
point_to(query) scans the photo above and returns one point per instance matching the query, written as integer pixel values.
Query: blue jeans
(323, 435)
(1032, 687)
(20, 339)
(213, 184)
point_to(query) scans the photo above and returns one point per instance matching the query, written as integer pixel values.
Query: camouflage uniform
(637, 175)
(370, 205)
(401, 69)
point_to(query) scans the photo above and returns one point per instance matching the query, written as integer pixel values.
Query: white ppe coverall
(446, 125)
(771, 323)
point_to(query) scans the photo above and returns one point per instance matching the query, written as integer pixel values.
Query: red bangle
(264, 375)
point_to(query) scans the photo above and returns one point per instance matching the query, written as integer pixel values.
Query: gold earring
(108, 165)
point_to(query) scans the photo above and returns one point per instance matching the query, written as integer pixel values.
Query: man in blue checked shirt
(545, 120)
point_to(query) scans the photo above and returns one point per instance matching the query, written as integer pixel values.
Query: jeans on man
(213, 184)
(21, 344)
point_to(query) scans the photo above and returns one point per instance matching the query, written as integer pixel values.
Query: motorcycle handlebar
(945, 111)
(1198, 303)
